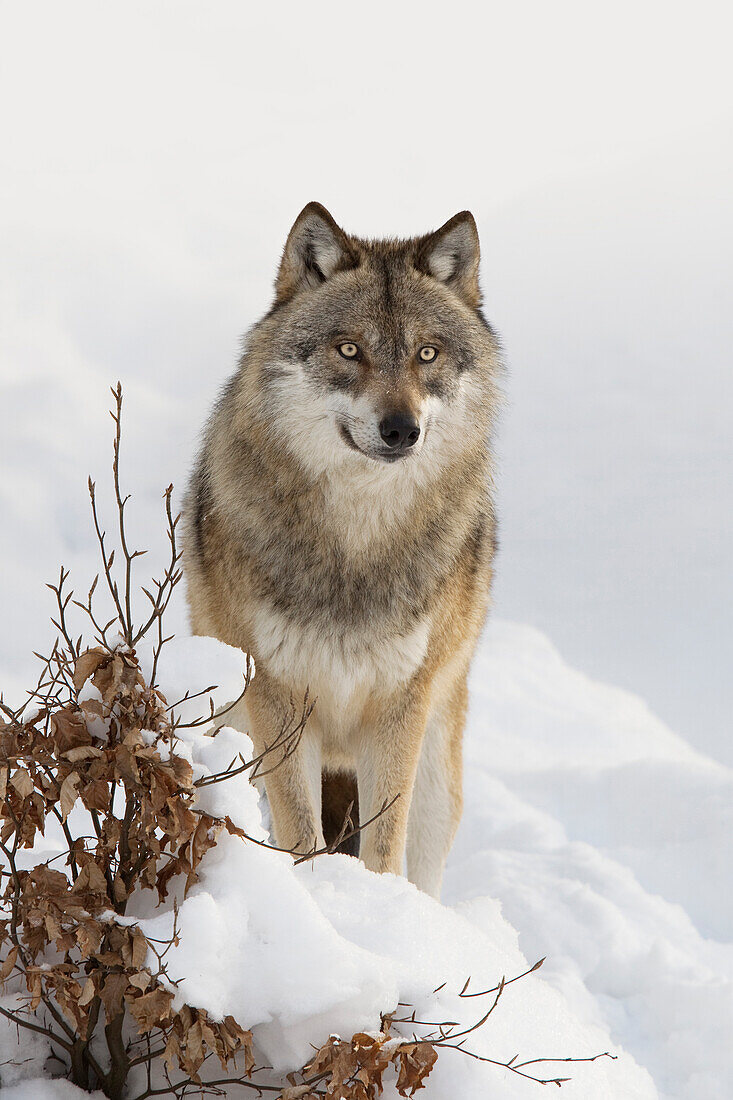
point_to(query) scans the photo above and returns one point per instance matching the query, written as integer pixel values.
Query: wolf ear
(451, 255)
(315, 249)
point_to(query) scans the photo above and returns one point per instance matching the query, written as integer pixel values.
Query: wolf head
(375, 353)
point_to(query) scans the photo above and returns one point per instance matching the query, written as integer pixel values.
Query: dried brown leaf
(112, 993)
(151, 1009)
(88, 993)
(87, 664)
(22, 782)
(139, 949)
(416, 1060)
(108, 677)
(172, 1049)
(232, 829)
(7, 967)
(70, 729)
(33, 982)
(182, 771)
(81, 752)
(194, 1048)
(69, 794)
(95, 795)
(89, 937)
(91, 880)
(119, 891)
(141, 980)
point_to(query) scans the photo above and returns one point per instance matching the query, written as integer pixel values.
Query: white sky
(389, 111)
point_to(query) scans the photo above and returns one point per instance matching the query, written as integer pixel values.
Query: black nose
(400, 430)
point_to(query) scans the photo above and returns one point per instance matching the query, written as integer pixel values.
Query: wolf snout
(399, 430)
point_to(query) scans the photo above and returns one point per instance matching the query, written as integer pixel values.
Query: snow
(574, 794)
(22, 1053)
(609, 837)
(300, 952)
(38, 1088)
(198, 672)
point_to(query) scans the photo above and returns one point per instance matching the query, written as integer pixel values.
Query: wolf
(339, 527)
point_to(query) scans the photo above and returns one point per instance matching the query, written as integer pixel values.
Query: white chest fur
(335, 664)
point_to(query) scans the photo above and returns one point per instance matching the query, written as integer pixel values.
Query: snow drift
(299, 952)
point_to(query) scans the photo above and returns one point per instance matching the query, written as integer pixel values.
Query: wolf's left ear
(315, 250)
(451, 255)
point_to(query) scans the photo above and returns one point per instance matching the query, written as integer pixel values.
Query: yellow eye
(349, 351)
(427, 354)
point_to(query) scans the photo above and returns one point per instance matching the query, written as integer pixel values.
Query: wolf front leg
(292, 768)
(437, 798)
(386, 767)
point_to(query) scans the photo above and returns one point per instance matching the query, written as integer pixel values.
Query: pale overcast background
(152, 158)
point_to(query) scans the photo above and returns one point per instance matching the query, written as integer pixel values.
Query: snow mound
(607, 840)
(585, 838)
(301, 952)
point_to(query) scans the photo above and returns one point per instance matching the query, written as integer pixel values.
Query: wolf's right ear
(316, 248)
